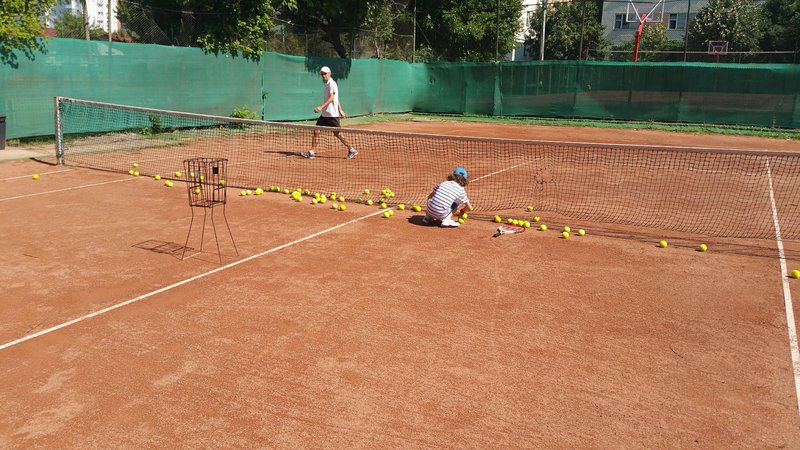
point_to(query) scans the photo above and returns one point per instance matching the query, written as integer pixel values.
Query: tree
(233, 27)
(782, 25)
(69, 25)
(735, 21)
(654, 39)
(562, 37)
(468, 30)
(21, 26)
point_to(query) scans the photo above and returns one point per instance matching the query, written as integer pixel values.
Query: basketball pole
(639, 31)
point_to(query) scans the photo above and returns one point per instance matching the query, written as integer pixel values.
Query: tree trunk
(332, 36)
(85, 20)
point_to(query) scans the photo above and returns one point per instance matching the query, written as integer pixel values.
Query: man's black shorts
(323, 121)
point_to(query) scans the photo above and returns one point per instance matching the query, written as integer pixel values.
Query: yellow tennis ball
(417, 208)
(243, 193)
(529, 208)
(464, 216)
(497, 219)
(391, 213)
(286, 191)
(581, 232)
(795, 273)
(259, 191)
(702, 247)
(306, 192)
(565, 234)
(662, 244)
(401, 207)
(191, 174)
(314, 201)
(366, 191)
(157, 177)
(526, 224)
(386, 214)
(130, 172)
(168, 183)
(197, 190)
(510, 220)
(36, 176)
(341, 198)
(369, 202)
(335, 206)
(202, 178)
(135, 165)
(323, 199)
(383, 205)
(342, 207)
(567, 229)
(536, 218)
(543, 227)
(136, 173)
(177, 174)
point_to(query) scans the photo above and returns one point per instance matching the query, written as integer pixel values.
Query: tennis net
(713, 192)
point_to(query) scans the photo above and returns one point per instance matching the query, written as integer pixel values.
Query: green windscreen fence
(281, 87)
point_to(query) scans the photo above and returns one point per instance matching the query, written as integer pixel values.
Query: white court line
(787, 294)
(65, 189)
(41, 174)
(181, 283)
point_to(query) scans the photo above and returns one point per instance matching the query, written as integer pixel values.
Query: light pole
(544, 22)
(686, 31)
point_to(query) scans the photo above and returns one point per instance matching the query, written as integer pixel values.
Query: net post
(59, 131)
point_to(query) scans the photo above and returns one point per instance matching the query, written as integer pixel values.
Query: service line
(28, 176)
(66, 189)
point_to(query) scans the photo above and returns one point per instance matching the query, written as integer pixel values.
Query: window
(677, 22)
(621, 23)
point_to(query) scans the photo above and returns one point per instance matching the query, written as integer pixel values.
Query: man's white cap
(325, 69)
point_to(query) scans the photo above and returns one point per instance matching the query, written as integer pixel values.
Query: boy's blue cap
(460, 171)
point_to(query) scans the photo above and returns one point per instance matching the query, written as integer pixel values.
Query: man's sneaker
(449, 222)
(352, 153)
(308, 154)
(426, 220)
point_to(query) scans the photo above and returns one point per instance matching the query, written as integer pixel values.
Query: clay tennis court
(347, 329)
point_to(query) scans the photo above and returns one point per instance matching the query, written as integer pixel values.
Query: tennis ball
(341, 198)
(662, 244)
(306, 192)
(536, 218)
(542, 227)
(130, 172)
(222, 182)
(565, 234)
(391, 213)
(202, 178)
(335, 206)
(702, 247)
(401, 207)
(314, 201)
(366, 191)
(168, 183)
(529, 208)
(36, 176)
(464, 216)
(417, 208)
(461, 220)
(342, 207)
(259, 191)
(498, 219)
(191, 174)
(383, 205)
(323, 199)
(135, 165)
(157, 177)
(177, 174)
(369, 202)
(567, 229)
(386, 214)
(795, 273)
(526, 224)
(243, 193)
(136, 173)
(286, 191)
(581, 232)
(197, 190)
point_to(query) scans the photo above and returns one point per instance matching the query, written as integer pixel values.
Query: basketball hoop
(645, 12)
(717, 48)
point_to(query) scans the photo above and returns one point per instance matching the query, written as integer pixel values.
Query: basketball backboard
(717, 47)
(653, 11)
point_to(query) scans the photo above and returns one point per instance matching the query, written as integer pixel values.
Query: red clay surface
(379, 333)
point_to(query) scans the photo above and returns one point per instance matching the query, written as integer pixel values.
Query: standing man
(330, 111)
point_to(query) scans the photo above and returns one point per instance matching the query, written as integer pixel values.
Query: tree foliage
(233, 27)
(21, 24)
(69, 25)
(566, 23)
(468, 30)
(735, 21)
(781, 25)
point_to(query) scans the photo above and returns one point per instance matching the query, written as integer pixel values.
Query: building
(520, 53)
(620, 22)
(98, 12)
